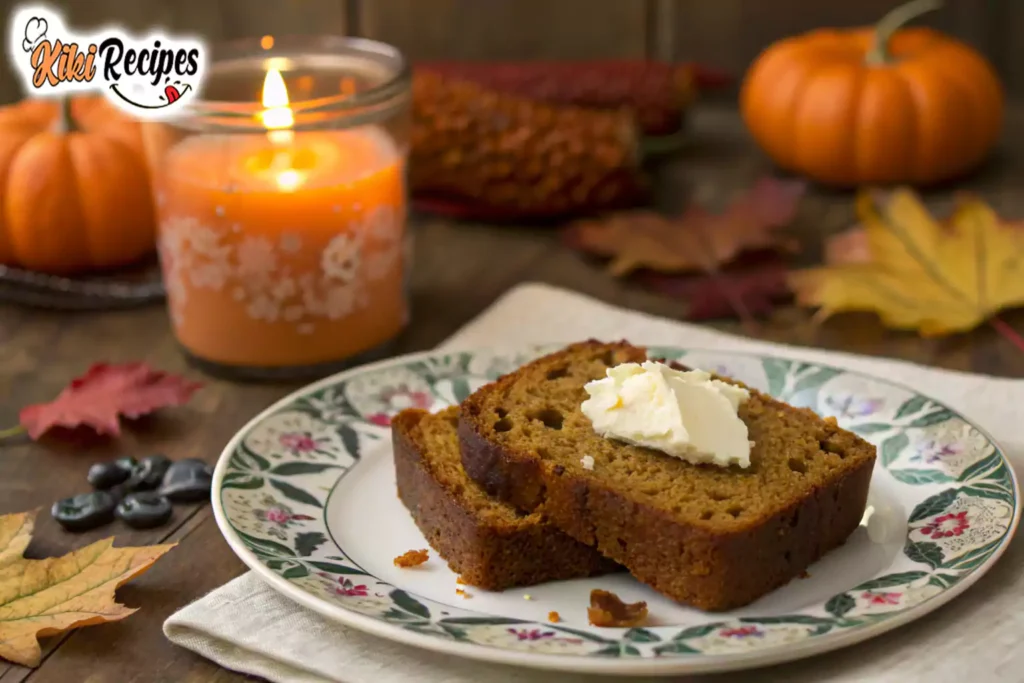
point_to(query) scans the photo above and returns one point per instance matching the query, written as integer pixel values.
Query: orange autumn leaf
(697, 240)
(40, 598)
(916, 272)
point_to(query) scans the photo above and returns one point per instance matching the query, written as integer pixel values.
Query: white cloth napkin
(247, 627)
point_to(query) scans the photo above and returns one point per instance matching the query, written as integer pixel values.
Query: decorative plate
(305, 495)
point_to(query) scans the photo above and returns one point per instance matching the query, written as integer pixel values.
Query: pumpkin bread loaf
(715, 538)
(489, 543)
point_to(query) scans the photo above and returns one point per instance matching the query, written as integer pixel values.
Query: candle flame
(278, 119)
(276, 115)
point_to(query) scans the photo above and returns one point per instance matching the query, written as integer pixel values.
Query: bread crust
(486, 554)
(711, 569)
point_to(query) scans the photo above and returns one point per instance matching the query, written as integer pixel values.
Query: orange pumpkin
(74, 187)
(880, 105)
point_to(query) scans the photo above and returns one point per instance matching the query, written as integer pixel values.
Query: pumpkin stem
(65, 121)
(892, 22)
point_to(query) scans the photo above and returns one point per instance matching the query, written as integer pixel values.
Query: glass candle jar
(281, 202)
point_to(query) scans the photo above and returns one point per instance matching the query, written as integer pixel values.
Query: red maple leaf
(696, 240)
(104, 393)
(749, 288)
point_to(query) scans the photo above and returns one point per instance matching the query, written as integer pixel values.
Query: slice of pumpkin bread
(489, 543)
(715, 538)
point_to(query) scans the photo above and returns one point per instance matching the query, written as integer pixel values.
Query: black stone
(149, 473)
(85, 511)
(105, 475)
(146, 475)
(187, 481)
(122, 490)
(144, 510)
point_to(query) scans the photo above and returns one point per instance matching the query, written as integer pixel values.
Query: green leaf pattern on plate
(281, 474)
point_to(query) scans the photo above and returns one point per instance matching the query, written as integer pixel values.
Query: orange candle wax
(284, 248)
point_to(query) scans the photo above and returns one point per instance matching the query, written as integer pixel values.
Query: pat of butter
(687, 415)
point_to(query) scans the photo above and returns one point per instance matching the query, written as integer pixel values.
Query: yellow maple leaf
(922, 274)
(45, 597)
(15, 535)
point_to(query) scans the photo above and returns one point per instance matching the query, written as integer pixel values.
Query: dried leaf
(696, 240)
(39, 598)
(105, 392)
(849, 246)
(754, 288)
(15, 535)
(925, 275)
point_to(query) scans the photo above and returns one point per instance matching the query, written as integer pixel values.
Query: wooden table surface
(459, 270)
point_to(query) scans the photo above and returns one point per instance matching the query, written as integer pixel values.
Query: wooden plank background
(724, 33)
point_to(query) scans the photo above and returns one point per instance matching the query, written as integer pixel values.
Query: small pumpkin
(74, 187)
(883, 105)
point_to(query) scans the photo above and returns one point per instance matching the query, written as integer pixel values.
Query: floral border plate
(947, 499)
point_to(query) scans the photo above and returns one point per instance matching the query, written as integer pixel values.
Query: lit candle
(283, 247)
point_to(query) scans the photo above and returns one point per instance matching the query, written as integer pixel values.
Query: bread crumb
(464, 594)
(608, 610)
(587, 461)
(412, 558)
(805, 574)
(458, 580)
(527, 597)
(554, 617)
(831, 419)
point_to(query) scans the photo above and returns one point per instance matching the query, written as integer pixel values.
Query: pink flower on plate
(298, 442)
(531, 634)
(277, 516)
(881, 598)
(348, 589)
(948, 525)
(399, 399)
(742, 632)
(282, 516)
(849, 406)
(932, 451)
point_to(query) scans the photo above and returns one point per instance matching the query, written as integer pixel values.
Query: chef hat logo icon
(35, 33)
